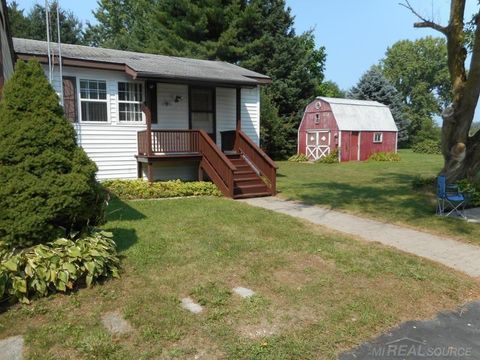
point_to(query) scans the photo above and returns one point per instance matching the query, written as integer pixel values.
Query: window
(202, 110)
(377, 137)
(130, 98)
(317, 118)
(93, 98)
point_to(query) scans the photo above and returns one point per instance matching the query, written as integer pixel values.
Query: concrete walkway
(457, 255)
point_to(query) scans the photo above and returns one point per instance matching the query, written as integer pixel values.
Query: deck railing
(263, 163)
(168, 141)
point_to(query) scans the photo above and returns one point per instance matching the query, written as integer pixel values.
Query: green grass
(317, 292)
(379, 190)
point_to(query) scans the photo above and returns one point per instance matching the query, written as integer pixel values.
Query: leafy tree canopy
(419, 71)
(256, 34)
(32, 25)
(330, 89)
(374, 86)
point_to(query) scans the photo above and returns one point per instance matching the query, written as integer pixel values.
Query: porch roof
(141, 65)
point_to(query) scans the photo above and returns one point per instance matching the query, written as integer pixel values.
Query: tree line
(413, 78)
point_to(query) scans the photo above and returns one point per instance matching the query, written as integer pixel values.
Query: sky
(355, 33)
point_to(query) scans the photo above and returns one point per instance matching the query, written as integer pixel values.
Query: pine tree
(47, 182)
(374, 86)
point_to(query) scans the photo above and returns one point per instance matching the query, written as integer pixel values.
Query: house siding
(250, 113)
(113, 145)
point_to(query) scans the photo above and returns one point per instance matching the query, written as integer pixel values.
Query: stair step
(248, 189)
(252, 195)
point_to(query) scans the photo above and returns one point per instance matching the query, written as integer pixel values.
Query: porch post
(239, 109)
(148, 119)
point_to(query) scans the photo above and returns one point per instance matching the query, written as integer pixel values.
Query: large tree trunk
(461, 151)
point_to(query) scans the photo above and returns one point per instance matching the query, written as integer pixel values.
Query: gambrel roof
(361, 115)
(142, 65)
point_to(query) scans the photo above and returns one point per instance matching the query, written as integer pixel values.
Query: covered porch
(205, 129)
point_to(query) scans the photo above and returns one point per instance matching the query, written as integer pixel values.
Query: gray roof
(361, 115)
(150, 65)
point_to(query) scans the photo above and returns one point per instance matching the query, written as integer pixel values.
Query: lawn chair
(450, 199)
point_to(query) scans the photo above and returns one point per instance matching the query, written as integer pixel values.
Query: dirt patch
(193, 347)
(259, 330)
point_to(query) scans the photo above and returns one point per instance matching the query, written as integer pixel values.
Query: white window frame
(317, 118)
(130, 122)
(379, 141)
(106, 100)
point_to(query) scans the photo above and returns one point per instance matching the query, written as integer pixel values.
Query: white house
(7, 56)
(161, 117)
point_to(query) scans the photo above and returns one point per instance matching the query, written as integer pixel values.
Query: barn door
(318, 144)
(354, 146)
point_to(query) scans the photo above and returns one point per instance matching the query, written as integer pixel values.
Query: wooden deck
(245, 172)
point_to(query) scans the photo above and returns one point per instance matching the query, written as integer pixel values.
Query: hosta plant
(59, 265)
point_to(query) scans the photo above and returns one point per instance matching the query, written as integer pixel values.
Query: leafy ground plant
(331, 158)
(59, 265)
(385, 156)
(140, 189)
(298, 158)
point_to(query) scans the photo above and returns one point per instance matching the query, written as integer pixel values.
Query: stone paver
(457, 255)
(473, 215)
(243, 292)
(11, 348)
(451, 335)
(191, 305)
(115, 323)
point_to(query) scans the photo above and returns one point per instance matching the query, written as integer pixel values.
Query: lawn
(318, 292)
(379, 190)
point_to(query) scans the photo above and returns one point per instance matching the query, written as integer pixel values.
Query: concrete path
(457, 255)
(451, 335)
(11, 348)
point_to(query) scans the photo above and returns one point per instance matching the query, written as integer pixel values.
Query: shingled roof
(141, 65)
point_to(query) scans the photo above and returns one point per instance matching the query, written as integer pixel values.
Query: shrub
(331, 158)
(421, 182)
(59, 265)
(140, 189)
(471, 190)
(427, 146)
(47, 184)
(298, 158)
(384, 156)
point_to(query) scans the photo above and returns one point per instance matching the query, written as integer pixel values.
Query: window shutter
(70, 98)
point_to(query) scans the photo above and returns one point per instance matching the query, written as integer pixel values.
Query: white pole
(47, 22)
(60, 53)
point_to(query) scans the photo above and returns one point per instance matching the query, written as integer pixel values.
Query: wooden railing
(168, 141)
(263, 163)
(214, 162)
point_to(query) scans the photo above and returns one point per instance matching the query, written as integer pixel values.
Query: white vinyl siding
(226, 104)
(251, 113)
(171, 114)
(113, 145)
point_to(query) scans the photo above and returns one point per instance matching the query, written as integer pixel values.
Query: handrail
(259, 158)
(217, 161)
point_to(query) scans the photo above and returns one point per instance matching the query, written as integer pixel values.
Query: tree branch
(425, 23)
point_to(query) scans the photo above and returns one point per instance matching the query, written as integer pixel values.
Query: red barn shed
(357, 128)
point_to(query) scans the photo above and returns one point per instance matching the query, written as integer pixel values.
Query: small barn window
(317, 118)
(378, 137)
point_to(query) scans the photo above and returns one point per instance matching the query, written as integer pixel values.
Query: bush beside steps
(141, 189)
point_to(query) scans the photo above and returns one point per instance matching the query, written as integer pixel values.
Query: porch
(240, 169)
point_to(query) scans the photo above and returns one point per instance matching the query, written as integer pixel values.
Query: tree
(330, 89)
(47, 182)
(256, 34)
(461, 151)
(418, 70)
(33, 25)
(374, 86)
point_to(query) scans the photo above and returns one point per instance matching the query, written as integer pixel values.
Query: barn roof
(143, 65)
(361, 115)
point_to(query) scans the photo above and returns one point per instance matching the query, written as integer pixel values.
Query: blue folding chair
(450, 199)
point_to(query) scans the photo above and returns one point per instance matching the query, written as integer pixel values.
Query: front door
(202, 110)
(318, 144)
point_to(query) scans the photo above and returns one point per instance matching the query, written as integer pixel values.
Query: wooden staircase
(246, 181)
